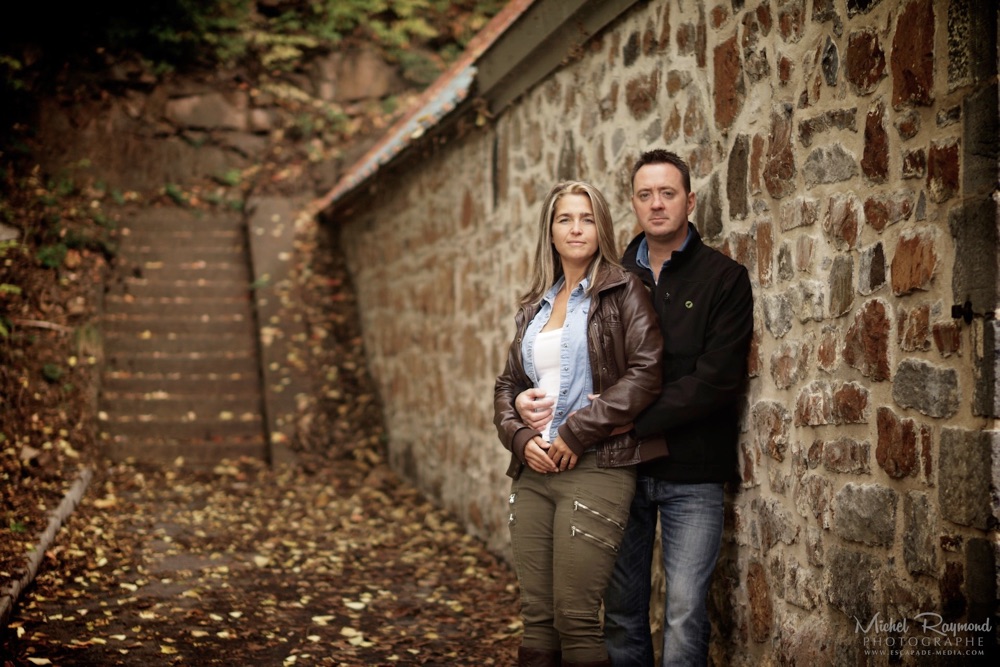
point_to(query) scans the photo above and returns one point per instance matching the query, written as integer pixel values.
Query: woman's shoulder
(611, 275)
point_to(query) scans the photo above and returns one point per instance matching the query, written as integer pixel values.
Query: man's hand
(534, 408)
(537, 457)
(618, 429)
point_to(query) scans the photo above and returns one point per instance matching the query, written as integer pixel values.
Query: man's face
(660, 203)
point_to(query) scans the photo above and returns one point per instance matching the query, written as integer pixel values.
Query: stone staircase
(181, 373)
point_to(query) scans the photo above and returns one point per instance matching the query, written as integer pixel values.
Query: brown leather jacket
(625, 346)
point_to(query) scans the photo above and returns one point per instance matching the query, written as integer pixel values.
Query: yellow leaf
(40, 661)
(167, 650)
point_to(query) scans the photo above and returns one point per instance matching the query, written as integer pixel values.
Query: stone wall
(846, 153)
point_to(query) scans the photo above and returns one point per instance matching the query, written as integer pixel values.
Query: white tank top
(547, 367)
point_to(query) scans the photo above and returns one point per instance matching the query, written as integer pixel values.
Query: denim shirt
(576, 381)
(642, 256)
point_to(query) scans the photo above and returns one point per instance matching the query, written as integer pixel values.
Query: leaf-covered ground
(242, 565)
(335, 561)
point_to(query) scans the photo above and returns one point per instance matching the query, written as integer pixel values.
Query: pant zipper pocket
(577, 505)
(576, 531)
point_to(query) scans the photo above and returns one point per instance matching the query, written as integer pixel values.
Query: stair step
(176, 383)
(177, 305)
(145, 235)
(188, 364)
(125, 324)
(198, 270)
(178, 217)
(124, 345)
(224, 407)
(161, 289)
(195, 451)
(214, 252)
(173, 428)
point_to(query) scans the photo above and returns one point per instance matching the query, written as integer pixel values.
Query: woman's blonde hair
(547, 267)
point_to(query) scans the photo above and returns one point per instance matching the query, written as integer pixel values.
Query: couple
(619, 401)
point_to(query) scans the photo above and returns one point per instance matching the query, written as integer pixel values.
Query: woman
(587, 334)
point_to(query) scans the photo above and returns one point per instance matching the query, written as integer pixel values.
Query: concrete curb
(9, 595)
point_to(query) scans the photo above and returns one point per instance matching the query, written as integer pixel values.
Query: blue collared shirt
(575, 378)
(642, 254)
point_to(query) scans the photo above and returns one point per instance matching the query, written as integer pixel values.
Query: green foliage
(418, 67)
(174, 191)
(52, 372)
(231, 177)
(100, 218)
(168, 35)
(17, 526)
(10, 69)
(7, 288)
(52, 256)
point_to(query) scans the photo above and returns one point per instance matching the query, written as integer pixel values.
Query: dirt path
(345, 565)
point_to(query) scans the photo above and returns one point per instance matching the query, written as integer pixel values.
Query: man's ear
(692, 200)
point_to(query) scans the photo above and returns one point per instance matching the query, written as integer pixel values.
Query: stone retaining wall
(846, 155)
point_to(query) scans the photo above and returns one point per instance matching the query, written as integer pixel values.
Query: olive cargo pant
(565, 530)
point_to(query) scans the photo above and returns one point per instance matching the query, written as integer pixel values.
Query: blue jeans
(691, 517)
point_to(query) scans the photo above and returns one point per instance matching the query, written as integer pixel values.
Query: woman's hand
(561, 455)
(537, 457)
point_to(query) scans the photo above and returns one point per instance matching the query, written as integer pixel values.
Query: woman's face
(574, 230)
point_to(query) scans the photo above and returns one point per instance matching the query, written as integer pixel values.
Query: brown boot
(537, 657)
(598, 663)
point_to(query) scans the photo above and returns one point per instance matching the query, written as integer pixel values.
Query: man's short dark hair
(662, 156)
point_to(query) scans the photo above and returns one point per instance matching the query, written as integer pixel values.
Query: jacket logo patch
(689, 304)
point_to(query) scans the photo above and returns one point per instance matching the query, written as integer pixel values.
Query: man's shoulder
(705, 255)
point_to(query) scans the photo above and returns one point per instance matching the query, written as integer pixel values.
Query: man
(705, 307)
